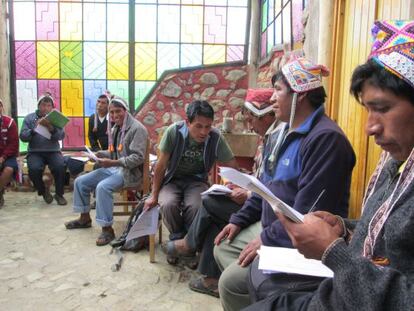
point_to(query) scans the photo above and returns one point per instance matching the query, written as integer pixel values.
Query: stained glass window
(281, 23)
(78, 49)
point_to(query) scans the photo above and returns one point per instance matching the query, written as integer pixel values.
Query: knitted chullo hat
(393, 47)
(44, 96)
(258, 101)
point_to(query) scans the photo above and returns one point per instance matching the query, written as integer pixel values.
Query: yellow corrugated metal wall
(351, 45)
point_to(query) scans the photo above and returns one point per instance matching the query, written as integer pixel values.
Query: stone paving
(43, 266)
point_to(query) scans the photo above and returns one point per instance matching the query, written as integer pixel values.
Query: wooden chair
(144, 188)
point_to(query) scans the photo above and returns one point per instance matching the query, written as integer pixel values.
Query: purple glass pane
(25, 60)
(297, 20)
(74, 134)
(92, 89)
(235, 52)
(52, 86)
(47, 25)
(215, 25)
(263, 50)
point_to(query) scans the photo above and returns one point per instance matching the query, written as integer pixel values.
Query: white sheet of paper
(289, 260)
(146, 224)
(83, 159)
(42, 130)
(217, 190)
(253, 184)
(91, 154)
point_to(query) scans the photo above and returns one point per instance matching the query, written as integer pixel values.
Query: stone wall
(224, 87)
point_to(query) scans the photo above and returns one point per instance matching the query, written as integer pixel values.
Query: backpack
(137, 244)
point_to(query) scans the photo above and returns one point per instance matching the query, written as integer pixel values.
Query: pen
(316, 201)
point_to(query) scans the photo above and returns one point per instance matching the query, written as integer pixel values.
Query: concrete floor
(43, 266)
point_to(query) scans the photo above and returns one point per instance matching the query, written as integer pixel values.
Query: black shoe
(47, 197)
(60, 200)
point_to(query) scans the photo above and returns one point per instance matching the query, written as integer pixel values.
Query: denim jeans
(106, 181)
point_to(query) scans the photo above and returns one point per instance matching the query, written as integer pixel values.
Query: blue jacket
(315, 156)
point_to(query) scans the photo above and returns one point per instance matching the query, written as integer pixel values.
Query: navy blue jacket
(315, 156)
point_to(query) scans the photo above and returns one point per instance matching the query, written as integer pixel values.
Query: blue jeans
(106, 181)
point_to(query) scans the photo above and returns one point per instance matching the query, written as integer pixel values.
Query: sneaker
(60, 200)
(47, 197)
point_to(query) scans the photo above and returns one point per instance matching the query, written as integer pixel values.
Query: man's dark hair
(316, 97)
(104, 97)
(199, 108)
(376, 75)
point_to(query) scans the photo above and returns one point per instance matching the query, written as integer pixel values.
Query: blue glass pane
(92, 90)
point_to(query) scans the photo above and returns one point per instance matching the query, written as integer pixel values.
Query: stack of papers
(217, 190)
(42, 130)
(253, 184)
(91, 154)
(289, 260)
(146, 224)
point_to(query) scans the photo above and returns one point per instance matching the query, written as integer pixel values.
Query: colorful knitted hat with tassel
(393, 47)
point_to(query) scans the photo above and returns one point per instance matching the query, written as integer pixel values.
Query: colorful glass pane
(235, 53)
(168, 57)
(94, 60)
(264, 15)
(48, 60)
(52, 87)
(215, 2)
(26, 96)
(70, 21)
(71, 60)
(278, 30)
(92, 90)
(235, 18)
(94, 22)
(214, 54)
(22, 146)
(118, 20)
(146, 23)
(287, 29)
(270, 37)
(191, 24)
(263, 45)
(72, 98)
(237, 3)
(215, 25)
(47, 21)
(145, 61)
(24, 20)
(191, 55)
(169, 1)
(297, 13)
(278, 6)
(119, 88)
(142, 88)
(25, 53)
(168, 23)
(191, 1)
(117, 65)
(74, 133)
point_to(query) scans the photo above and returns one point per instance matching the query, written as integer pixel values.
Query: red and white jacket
(9, 138)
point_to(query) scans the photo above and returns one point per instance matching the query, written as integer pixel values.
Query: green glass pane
(264, 16)
(71, 60)
(22, 145)
(141, 90)
(119, 88)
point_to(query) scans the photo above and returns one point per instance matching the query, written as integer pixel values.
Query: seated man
(9, 150)
(308, 156)
(43, 151)
(121, 166)
(372, 259)
(215, 211)
(98, 125)
(188, 151)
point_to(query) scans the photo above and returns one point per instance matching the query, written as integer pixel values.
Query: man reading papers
(308, 154)
(372, 261)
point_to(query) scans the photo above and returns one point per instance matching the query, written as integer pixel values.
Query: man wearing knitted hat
(310, 156)
(120, 166)
(44, 151)
(372, 259)
(215, 211)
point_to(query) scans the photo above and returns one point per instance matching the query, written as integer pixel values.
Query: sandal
(198, 286)
(105, 238)
(77, 224)
(173, 251)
